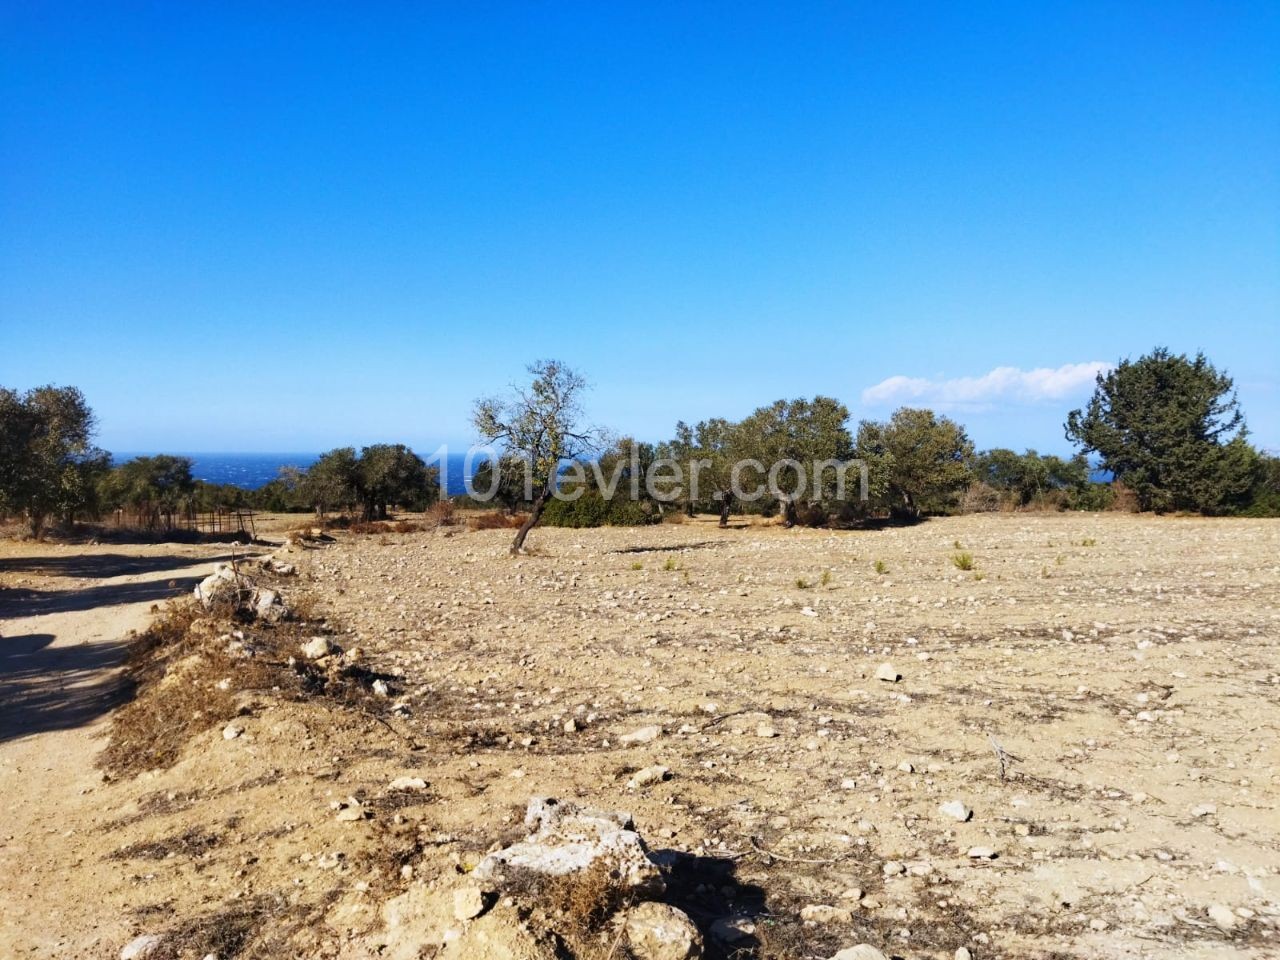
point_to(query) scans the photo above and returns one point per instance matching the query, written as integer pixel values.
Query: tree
(807, 432)
(331, 481)
(542, 425)
(917, 461)
(48, 464)
(1171, 430)
(392, 473)
(153, 487)
(1030, 477)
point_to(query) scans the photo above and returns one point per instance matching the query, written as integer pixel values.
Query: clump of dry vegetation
(496, 520)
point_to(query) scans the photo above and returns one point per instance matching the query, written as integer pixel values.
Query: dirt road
(65, 616)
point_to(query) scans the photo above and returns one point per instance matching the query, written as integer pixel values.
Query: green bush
(592, 510)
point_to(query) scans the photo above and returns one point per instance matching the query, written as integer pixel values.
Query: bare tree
(540, 424)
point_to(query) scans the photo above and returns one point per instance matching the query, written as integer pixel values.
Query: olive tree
(541, 424)
(917, 460)
(48, 463)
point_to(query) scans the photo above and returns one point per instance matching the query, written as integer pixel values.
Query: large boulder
(566, 838)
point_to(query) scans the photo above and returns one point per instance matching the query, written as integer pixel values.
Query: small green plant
(1059, 560)
(963, 561)
(671, 564)
(826, 578)
(880, 567)
(1088, 542)
(637, 565)
(802, 583)
(957, 545)
(979, 575)
(1044, 572)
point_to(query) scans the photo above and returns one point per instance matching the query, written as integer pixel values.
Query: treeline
(1166, 429)
(50, 471)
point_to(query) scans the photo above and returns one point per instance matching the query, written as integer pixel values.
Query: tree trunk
(788, 511)
(517, 545)
(726, 503)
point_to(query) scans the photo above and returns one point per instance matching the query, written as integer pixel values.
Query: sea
(254, 470)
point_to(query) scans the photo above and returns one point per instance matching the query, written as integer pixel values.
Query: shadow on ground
(45, 688)
(21, 602)
(101, 566)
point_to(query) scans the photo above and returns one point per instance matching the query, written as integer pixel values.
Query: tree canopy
(1171, 430)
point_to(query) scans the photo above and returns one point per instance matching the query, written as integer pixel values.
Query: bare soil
(1103, 691)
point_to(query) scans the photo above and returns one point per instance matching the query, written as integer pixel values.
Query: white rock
(1223, 917)
(642, 778)
(567, 838)
(887, 673)
(381, 689)
(955, 810)
(982, 853)
(140, 947)
(963, 953)
(863, 951)
(906, 766)
(732, 929)
(766, 730)
(231, 731)
(643, 735)
(658, 931)
(570, 726)
(317, 648)
(824, 913)
(468, 903)
(407, 783)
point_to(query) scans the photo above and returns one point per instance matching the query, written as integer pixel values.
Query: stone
(224, 584)
(863, 951)
(140, 947)
(268, 605)
(468, 903)
(732, 929)
(906, 766)
(643, 735)
(570, 726)
(351, 811)
(380, 688)
(647, 776)
(658, 931)
(892, 868)
(982, 853)
(1204, 810)
(1223, 917)
(231, 731)
(963, 953)
(824, 913)
(317, 648)
(955, 810)
(887, 673)
(566, 838)
(407, 783)
(766, 730)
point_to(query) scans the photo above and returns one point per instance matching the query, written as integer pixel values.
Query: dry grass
(442, 514)
(496, 520)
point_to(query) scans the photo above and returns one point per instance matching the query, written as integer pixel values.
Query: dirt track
(65, 619)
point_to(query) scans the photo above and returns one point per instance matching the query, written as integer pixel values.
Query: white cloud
(1003, 384)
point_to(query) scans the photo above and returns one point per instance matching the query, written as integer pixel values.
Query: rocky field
(1015, 736)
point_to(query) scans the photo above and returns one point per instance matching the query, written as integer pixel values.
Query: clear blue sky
(248, 229)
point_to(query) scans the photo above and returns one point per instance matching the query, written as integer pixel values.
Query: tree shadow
(671, 548)
(21, 602)
(45, 688)
(101, 566)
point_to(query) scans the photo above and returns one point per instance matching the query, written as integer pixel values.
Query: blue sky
(248, 229)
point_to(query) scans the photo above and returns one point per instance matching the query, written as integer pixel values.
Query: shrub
(495, 520)
(880, 567)
(441, 514)
(963, 560)
(593, 510)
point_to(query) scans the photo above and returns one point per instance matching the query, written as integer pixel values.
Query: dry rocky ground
(828, 739)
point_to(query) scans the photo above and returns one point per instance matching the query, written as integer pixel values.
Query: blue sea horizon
(255, 470)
